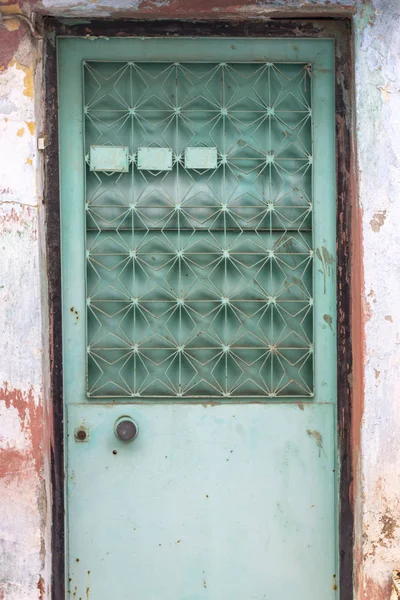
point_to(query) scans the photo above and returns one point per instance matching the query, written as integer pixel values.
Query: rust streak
(41, 588)
(317, 437)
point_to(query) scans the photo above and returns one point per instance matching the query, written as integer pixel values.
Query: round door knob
(126, 429)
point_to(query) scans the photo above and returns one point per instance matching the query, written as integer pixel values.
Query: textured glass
(199, 282)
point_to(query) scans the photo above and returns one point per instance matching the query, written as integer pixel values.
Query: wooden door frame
(347, 236)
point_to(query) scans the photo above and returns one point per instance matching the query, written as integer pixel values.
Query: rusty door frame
(347, 236)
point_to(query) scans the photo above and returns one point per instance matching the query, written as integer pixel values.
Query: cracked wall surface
(25, 408)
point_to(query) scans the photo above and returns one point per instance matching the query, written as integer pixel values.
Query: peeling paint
(28, 79)
(327, 262)
(183, 9)
(21, 463)
(376, 591)
(24, 523)
(378, 220)
(12, 24)
(328, 320)
(389, 526)
(31, 418)
(31, 126)
(7, 8)
(366, 14)
(395, 595)
(9, 42)
(386, 91)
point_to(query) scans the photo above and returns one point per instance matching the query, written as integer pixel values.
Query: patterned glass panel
(199, 282)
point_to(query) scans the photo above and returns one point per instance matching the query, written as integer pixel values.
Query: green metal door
(198, 257)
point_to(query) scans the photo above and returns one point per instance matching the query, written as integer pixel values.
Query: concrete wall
(25, 407)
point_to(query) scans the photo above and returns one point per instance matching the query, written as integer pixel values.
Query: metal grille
(199, 280)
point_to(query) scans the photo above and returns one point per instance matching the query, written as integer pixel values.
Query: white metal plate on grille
(201, 158)
(154, 159)
(109, 158)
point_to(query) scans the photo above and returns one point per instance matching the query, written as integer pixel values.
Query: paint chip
(395, 595)
(389, 526)
(385, 91)
(28, 79)
(378, 220)
(12, 24)
(31, 126)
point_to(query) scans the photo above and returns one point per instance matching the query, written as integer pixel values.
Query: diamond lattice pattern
(199, 282)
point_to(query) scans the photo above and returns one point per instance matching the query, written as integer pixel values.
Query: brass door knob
(126, 429)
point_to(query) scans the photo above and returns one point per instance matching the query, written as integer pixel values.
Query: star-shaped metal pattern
(199, 282)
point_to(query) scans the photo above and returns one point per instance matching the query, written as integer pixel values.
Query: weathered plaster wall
(378, 137)
(24, 412)
(24, 496)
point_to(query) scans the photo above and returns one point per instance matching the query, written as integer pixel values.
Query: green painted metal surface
(199, 301)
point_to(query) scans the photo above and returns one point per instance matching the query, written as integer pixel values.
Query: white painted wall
(24, 432)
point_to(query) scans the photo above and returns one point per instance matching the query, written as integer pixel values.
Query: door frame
(349, 276)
